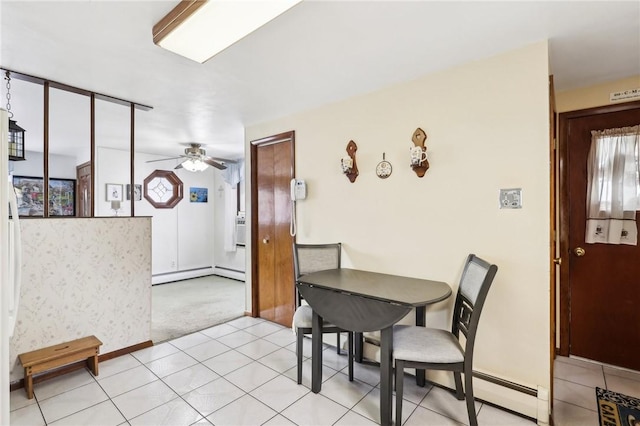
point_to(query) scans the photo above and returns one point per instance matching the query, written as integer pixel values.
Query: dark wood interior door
(83, 175)
(273, 284)
(604, 283)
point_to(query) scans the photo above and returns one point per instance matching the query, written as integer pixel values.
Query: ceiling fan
(196, 159)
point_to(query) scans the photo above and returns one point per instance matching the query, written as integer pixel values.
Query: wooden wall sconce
(348, 164)
(419, 162)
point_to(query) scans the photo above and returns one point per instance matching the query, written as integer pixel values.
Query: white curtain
(230, 217)
(613, 188)
(233, 175)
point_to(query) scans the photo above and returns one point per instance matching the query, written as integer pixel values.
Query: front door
(272, 245)
(603, 286)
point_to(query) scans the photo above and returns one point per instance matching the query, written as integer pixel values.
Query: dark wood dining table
(363, 301)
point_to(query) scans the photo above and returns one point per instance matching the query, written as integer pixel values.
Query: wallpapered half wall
(83, 277)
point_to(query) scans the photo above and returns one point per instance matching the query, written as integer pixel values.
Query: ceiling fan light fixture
(200, 29)
(194, 165)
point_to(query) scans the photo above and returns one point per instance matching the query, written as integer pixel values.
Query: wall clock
(383, 169)
(163, 189)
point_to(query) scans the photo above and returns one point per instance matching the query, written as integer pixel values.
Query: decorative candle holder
(115, 206)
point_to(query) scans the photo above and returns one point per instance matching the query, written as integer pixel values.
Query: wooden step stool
(40, 360)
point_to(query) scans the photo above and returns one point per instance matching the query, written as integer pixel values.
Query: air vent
(241, 230)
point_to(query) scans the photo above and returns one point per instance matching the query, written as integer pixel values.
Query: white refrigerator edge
(10, 267)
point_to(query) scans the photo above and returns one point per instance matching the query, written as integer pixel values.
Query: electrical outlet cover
(511, 198)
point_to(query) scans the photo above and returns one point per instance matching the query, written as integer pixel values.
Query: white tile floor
(243, 373)
(574, 386)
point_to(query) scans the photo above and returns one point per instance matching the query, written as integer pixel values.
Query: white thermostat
(511, 198)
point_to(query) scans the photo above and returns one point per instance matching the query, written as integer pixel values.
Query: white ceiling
(316, 53)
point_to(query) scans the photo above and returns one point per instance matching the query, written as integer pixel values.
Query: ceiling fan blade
(179, 166)
(164, 159)
(221, 160)
(213, 163)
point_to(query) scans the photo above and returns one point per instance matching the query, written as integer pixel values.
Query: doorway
(84, 190)
(183, 307)
(599, 284)
(272, 286)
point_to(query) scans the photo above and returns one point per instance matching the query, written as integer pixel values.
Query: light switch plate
(511, 198)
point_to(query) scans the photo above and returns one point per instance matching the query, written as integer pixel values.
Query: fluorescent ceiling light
(200, 29)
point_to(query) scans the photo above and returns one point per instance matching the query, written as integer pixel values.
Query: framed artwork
(137, 192)
(114, 192)
(62, 197)
(30, 196)
(198, 195)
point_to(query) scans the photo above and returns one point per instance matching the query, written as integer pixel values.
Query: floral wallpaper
(81, 277)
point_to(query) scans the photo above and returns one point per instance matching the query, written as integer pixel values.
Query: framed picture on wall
(62, 197)
(114, 192)
(30, 195)
(137, 192)
(198, 195)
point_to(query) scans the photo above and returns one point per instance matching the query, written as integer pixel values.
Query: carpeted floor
(182, 307)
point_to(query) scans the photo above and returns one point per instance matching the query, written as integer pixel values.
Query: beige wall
(487, 127)
(594, 96)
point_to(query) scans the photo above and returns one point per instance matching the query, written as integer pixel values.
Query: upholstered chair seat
(412, 343)
(303, 318)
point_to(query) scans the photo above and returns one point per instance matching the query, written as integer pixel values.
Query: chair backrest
(476, 280)
(308, 258)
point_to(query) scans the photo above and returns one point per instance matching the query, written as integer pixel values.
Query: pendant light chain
(8, 78)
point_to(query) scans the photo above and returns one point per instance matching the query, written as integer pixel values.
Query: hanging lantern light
(16, 133)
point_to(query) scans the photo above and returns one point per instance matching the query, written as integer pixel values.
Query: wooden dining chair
(436, 349)
(308, 258)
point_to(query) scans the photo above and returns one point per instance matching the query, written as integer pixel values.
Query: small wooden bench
(40, 360)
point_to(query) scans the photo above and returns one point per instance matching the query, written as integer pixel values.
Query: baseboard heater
(234, 274)
(506, 383)
(229, 269)
(185, 274)
(541, 394)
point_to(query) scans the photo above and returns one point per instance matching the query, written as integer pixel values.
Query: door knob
(265, 240)
(557, 261)
(579, 251)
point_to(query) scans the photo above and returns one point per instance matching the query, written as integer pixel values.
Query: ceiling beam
(62, 86)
